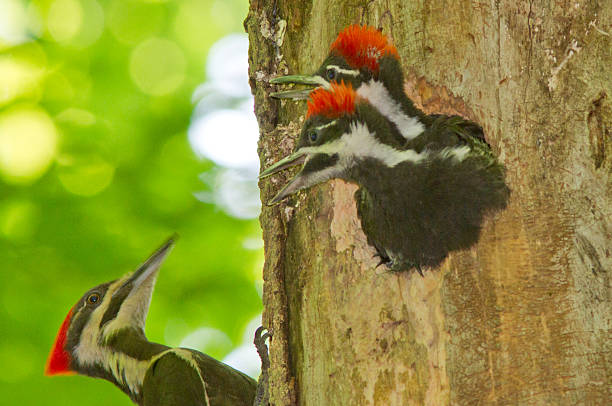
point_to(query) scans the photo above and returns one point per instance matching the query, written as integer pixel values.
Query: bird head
(354, 58)
(341, 131)
(85, 339)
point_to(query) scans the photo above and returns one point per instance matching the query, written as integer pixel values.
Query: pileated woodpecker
(415, 205)
(365, 58)
(103, 337)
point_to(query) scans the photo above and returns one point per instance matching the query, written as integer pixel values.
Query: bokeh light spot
(13, 22)
(233, 190)
(18, 219)
(221, 11)
(69, 86)
(157, 66)
(194, 27)
(92, 25)
(133, 21)
(64, 19)
(227, 66)
(86, 176)
(228, 137)
(28, 142)
(208, 340)
(18, 76)
(74, 116)
(245, 357)
(79, 23)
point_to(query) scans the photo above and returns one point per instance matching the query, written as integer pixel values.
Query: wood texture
(524, 317)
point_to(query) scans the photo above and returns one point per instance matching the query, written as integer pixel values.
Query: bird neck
(392, 76)
(124, 360)
(386, 93)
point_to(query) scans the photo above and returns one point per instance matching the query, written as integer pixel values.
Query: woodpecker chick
(103, 337)
(364, 57)
(415, 206)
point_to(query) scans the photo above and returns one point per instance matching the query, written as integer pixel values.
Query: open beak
(138, 286)
(294, 159)
(301, 94)
(295, 184)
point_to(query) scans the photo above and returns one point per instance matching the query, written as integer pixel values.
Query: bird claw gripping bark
(419, 270)
(383, 259)
(394, 264)
(262, 396)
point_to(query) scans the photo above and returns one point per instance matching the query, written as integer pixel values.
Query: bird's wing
(174, 380)
(225, 385)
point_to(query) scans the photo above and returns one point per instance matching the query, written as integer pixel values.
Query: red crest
(333, 103)
(363, 46)
(59, 359)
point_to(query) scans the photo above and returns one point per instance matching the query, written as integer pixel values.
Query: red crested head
(59, 359)
(363, 46)
(332, 103)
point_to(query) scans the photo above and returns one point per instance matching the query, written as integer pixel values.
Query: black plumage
(418, 199)
(415, 214)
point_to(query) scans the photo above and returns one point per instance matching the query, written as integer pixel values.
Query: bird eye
(331, 74)
(313, 136)
(93, 298)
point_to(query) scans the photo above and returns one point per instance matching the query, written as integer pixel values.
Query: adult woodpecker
(103, 337)
(365, 58)
(415, 206)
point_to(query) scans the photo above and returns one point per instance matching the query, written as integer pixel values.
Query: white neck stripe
(359, 143)
(91, 350)
(378, 96)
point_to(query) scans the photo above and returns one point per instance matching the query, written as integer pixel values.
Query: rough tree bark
(524, 317)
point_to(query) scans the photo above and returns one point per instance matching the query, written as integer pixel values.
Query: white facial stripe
(317, 177)
(378, 96)
(88, 351)
(349, 72)
(358, 143)
(91, 349)
(321, 127)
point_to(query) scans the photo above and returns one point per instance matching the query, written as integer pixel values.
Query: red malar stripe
(59, 359)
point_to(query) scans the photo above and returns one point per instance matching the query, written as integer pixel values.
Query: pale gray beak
(294, 184)
(138, 286)
(294, 159)
(302, 94)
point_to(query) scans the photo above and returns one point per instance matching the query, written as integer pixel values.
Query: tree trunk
(522, 318)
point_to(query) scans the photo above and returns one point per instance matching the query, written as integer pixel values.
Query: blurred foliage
(96, 171)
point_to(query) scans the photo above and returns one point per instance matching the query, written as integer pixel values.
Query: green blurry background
(97, 169)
